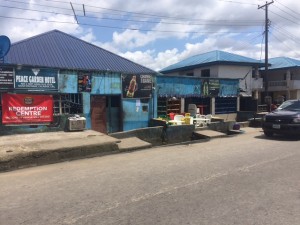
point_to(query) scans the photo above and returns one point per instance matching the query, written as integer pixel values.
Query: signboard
(84, 82)
(36, 79)
(137, 86)
(6, 78)
(214, 87)
(26, 109)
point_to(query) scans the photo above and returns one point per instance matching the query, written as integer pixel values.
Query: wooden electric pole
(267, 23)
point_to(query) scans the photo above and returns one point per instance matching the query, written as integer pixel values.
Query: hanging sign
(26, 109)
(36, 79)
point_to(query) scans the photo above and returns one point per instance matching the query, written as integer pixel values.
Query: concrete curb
(27, 150)
(49, 156)
(132, 143)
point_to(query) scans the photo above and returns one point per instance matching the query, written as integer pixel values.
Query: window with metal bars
(67, 104)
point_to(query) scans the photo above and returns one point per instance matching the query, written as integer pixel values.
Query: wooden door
(98, 113)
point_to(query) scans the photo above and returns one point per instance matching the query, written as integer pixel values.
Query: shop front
(44, 99)
(179, 95)
(29, 98)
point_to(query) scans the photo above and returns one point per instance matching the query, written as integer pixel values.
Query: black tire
(268, 133)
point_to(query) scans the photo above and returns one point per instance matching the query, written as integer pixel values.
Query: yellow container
(187, 120)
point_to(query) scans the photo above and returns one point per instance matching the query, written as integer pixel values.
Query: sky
(159, 33)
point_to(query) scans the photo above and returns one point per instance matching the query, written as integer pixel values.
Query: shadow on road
(277, 137)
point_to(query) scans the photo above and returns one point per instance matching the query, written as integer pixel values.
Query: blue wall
(133, 115)
(67, 82)
(110, 84)
(174, 86)
(106, 83)
(178, 86)
(86, 99)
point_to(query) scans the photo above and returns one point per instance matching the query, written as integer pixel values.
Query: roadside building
(222, 77)
(48, 78)
(283, 79)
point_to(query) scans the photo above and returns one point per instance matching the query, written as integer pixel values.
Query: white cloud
(203, 26)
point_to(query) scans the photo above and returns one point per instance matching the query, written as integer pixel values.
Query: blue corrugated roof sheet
(60, 50)
(212, 58)
(283, 62)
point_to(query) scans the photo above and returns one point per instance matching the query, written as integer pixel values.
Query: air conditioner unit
(76, 123)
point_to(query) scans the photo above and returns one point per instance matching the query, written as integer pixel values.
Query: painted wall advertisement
(26, 109)
(6, 78)
(178, 87)
(36, 79)
(137, 86)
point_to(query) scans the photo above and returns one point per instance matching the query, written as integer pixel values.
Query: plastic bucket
(172, 116)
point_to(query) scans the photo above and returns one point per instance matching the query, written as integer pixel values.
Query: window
(205, 73)
(191, 74)
(67, 104)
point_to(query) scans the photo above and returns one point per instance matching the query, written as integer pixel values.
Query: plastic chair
(208, 117)
(199, 121)
(178, 118)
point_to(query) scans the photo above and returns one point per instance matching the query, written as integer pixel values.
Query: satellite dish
(4, 45)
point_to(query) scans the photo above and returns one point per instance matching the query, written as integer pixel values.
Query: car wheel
(268, 133)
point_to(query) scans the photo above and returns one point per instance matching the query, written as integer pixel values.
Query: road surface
(245, 179)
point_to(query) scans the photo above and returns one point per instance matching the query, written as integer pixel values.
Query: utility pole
(267, 23)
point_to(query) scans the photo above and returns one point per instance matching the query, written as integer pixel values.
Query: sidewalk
(26, 150)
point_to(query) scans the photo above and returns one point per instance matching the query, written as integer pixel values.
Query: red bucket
(172, 116)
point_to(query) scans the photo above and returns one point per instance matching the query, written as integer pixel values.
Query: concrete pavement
(26, 150)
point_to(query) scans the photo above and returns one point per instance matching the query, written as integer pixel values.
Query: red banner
(26, 109)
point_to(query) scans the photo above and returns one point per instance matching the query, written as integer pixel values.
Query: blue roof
(56, 49)
(283, 62)
(212, 58)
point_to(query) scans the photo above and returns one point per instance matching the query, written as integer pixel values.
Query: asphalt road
(246, 179)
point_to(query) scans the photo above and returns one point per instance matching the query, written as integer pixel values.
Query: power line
(261, 46)
(131, 20)
(282, 42)
(286, 12)
(286, 33)
(237, 2)
(124, 28)
(285, 18)
(250, 42)
(132, 14)
(287, 7)
(36, 4)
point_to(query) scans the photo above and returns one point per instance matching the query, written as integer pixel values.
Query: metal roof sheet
(60, 50)
(212, 58)
(283, 62)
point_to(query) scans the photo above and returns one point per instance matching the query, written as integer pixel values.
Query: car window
(290, 105)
